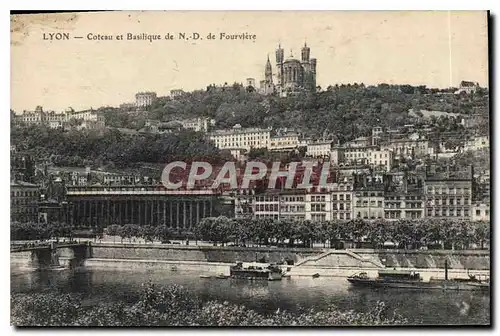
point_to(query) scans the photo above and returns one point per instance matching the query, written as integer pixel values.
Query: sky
(433, 48)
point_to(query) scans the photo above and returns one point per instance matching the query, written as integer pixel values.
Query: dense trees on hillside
(346, 110)
(111, 147)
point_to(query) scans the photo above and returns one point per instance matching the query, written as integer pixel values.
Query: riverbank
(460, 259)
(213, 269)
(174, 305)
(214, 260)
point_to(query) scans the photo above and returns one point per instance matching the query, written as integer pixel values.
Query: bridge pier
(69, 256)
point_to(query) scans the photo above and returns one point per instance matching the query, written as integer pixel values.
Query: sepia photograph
(250, 169)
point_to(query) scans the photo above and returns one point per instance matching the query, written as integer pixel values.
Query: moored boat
(256, 271)
(408, 279)
(222, 276)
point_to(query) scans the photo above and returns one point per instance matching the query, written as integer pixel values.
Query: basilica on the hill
(291, 75)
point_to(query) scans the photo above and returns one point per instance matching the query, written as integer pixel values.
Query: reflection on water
(433, 307)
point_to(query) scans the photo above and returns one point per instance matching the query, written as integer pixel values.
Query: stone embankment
(301, 261)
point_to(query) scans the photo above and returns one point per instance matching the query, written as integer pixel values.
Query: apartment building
(196, 124)
(341, 199)
(381, 158)
(408, 148)
(359, 154)
(448, 195)
(284, 142)
(400, 205)
(239, 137)
(369, 202)
(24, 198)
(319, 148)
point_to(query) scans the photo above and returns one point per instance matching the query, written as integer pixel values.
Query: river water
(433, 307)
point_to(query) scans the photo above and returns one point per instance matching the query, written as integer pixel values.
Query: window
(478, 212)
(487, 212)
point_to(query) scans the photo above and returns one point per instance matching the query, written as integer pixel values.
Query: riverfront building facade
(24, 198)
(142, 205)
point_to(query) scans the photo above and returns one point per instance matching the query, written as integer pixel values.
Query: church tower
(306, 52)
(268, 72)
(306, 65)
(280, 58)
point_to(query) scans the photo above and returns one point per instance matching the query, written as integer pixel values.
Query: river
(434, 307)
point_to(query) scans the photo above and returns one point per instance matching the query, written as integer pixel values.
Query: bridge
(49, 255)
(21, 247)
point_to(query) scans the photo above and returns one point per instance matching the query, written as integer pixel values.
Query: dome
(292, 60)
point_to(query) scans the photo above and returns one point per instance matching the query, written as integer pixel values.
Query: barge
(256, 271)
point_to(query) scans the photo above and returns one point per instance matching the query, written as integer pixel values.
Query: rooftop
(22, 184)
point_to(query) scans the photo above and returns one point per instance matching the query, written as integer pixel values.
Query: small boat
(315, 275)
(256, 271)
(222, 276)
(173, 268)
(205, 276)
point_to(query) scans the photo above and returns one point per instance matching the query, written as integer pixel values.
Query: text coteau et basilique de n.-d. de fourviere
(291, 75)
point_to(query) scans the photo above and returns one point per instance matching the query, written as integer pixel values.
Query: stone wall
(469, 259)
(198, 253)
(473, 259)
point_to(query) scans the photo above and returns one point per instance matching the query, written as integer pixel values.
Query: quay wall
(302, 257)
(199, 253)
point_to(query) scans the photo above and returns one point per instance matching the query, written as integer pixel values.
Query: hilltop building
(144, 99)
(87, 118)
(291, 75)
(467, 87)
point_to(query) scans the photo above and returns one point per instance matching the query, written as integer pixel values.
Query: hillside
(348, 111)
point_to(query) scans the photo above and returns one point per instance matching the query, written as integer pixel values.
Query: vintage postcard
(274, 168)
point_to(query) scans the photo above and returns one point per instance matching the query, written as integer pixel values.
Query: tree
(333, 232)
(129, 231)
(148, 232)
(482, 232)
(380, 231)
(163, 233)
(357, 229)
(113, 230)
